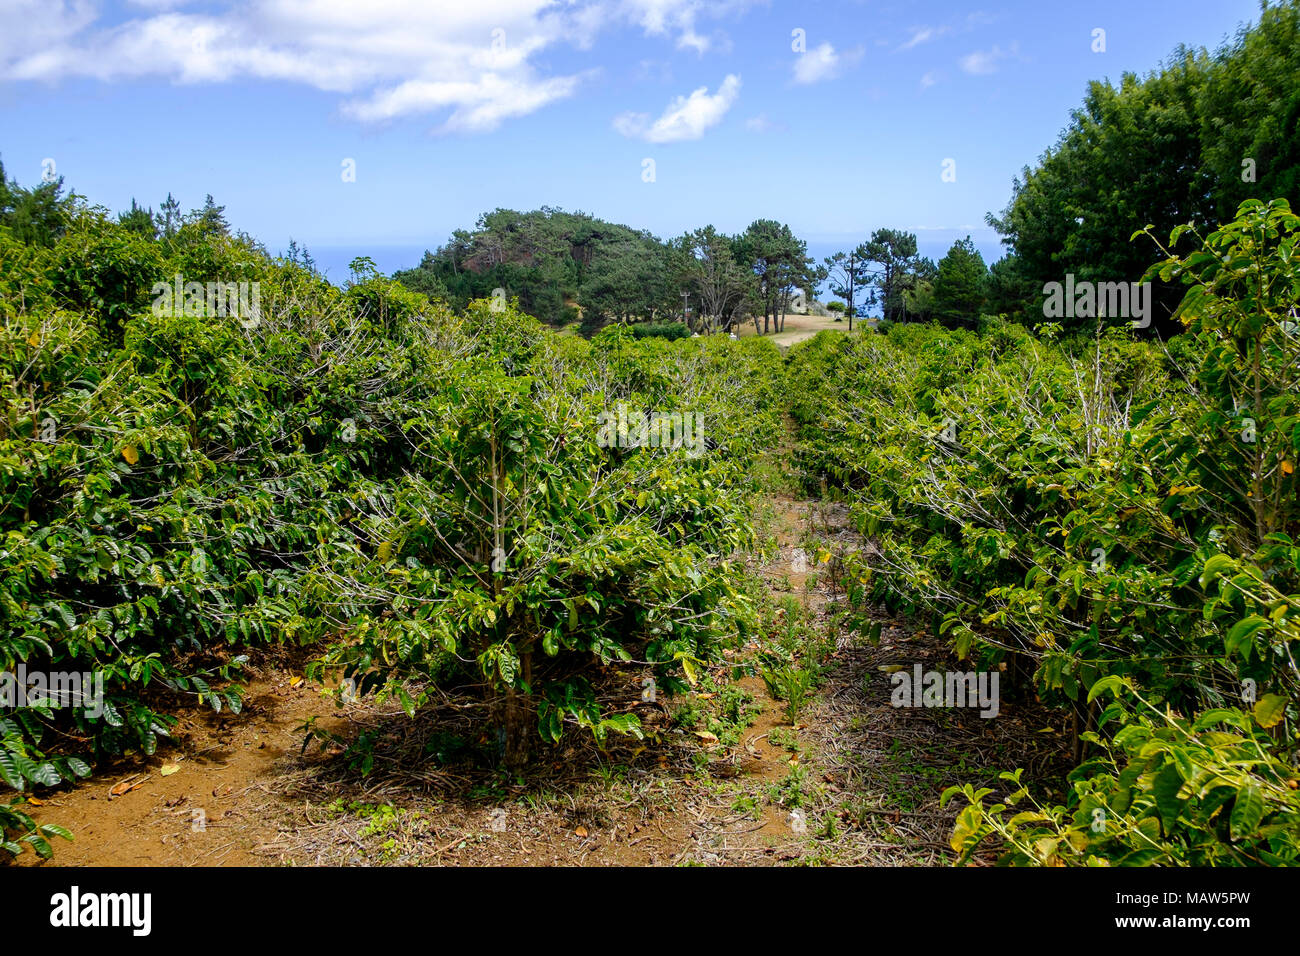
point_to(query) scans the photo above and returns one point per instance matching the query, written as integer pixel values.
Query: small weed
(785, 738)
(790, 684)
(746, 804)
(790, 791)
(688, 715)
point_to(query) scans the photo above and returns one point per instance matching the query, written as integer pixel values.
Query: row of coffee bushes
(204, 448)
(1120, 516)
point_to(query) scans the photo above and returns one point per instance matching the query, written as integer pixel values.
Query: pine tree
(169, 216)
(959, 286)
(138, 219)
(211, 218)
(37, 216)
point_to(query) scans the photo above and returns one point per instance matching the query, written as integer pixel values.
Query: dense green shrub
(662, 330)
(432, 491)
(1108, 510)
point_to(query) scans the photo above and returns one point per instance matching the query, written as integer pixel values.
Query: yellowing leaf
(34, 340)
(168, 769)
(706, 735)
(966, 828)
(1270, 710)
(385, 550)
(1287, 468)
(295, 681)
(130, 454)
(688, 666)
(581, 832)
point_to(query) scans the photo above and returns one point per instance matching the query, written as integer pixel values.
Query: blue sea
(333, 260)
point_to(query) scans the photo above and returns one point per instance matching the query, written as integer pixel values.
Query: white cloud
(762, 123)
(930, 79)
(818, 63)
(669, 17)
(472, 64)
(479, 105)
(37, 24)
(687, 117)
(984, 62)
(823, 63)
(923, 35)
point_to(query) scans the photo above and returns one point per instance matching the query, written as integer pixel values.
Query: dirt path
(237, 790)
(799, 328)
(203, 799)
(723, 778)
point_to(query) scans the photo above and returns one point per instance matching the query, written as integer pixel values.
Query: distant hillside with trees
(569, 266)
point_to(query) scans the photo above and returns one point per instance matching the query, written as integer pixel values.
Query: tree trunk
(515, 717)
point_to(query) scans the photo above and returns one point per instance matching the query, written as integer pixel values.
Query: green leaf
(46, 775)
(1165, 789)
(53, 829)
(39, 844)
(1247, 812)
(407, 703)
(1111, 684)
(1216, 567)
(1221, 715)
(1242, 633)
(627, 724)
(9, 769)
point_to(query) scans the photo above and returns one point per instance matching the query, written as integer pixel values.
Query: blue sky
(451, 109)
